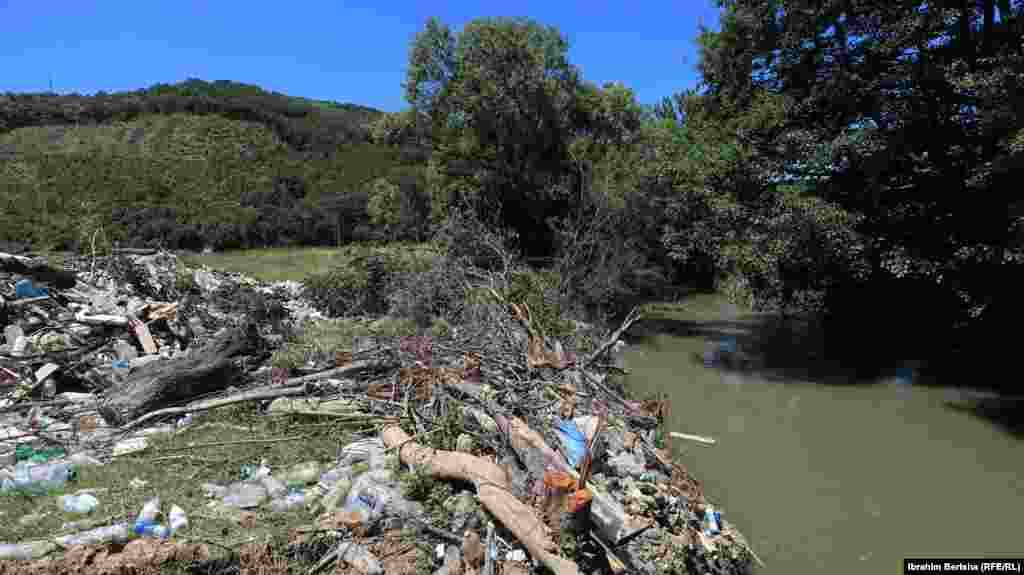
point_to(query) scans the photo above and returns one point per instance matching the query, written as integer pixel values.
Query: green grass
(176, 473)
(279, 264)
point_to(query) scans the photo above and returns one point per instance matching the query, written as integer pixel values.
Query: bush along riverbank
(399, 415)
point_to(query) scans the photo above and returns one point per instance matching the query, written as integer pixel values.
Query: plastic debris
(573, 441)
(38, 478)
(24, 288)
(78, 503)
(117, 533)
(27, 550)
(176, 519)
(714, 521)
(245, 495)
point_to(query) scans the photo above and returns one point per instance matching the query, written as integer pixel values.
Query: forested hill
(189, 164)
(302, 123)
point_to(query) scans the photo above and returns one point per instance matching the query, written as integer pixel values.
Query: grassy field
(280, 264)
(214, 448)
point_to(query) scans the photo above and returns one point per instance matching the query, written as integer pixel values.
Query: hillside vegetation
(188, 165)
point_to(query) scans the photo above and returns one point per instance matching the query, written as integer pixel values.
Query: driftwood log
(38, 270)
(492, 489)
(163, 383)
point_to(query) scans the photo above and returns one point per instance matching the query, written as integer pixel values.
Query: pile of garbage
(551, 466)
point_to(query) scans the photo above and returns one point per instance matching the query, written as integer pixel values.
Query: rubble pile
(545, 463)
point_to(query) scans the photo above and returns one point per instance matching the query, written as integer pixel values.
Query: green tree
(902, 115)
(505, 107)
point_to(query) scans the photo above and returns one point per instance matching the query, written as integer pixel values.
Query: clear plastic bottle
(714, 520)
(78, 503)
(177, 519)
(119, 532)
(38, 478)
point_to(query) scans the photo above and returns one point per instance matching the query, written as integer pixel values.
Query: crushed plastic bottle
(12, 333)
(78, 503)
(117, 533)
(294, 498)
(245, 494)
(274, 486)
(38, 478)
(26, 551)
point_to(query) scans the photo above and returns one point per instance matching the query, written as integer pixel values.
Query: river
(821, 474)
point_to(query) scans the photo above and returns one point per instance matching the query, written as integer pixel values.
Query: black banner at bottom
(930, 566)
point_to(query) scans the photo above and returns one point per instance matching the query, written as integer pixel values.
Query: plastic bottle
(118, 532)
(12, 333)
(360, 506)
(294, 498)
(38, 478)
(177, 519)
(25, 551)
(146, 529)
(78, 503)
(714, 519)
(245, 494)
(146, 519)
(150, 510)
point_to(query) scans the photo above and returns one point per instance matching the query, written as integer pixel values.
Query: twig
(489, 546)
(698, 438)
(616, 564)
(405, 549)
(226, 443)
(634, 315)
(446, 535)
(253, 395)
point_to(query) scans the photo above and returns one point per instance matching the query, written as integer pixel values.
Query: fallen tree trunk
(292, 387)
(492, 488)
(173, 381)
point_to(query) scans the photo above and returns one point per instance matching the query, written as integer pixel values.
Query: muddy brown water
(824, 475)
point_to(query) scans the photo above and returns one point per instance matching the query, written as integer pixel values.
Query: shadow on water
(794, 350)
(770, 348)
(1006, 413)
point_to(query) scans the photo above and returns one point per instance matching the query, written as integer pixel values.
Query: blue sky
(344, 51)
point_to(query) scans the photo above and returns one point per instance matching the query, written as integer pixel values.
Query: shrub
(538, 289)
(464, 237)
(365, 283)
(436, 292)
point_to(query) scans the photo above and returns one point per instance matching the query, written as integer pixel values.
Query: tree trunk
(164, 383)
